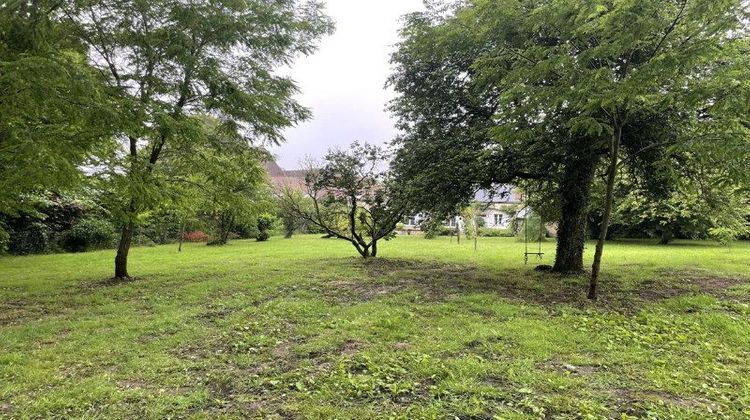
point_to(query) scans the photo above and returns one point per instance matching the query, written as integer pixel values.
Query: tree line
(611, 116)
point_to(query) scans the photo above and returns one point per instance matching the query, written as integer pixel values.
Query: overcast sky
(343, 82)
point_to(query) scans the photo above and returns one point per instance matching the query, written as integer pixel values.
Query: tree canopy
(352, 197)
(171, 63)
(502, 91)
(55, 109)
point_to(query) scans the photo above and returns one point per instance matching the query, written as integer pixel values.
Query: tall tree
(54, 108)
(611, 62)
(173, 62)
(547, 89)
(231, 187)
(459, 135)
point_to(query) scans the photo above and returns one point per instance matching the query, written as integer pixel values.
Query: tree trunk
(614, 151)
(121, 260)
(224, 225)
(374, 251)
(666, 237)
(227, 229)
(575, 192)
(182, 236)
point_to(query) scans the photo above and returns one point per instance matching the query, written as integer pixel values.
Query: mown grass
(301, 328)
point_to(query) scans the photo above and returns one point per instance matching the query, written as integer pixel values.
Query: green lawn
(302, 329)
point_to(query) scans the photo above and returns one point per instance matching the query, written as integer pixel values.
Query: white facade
(496, 210)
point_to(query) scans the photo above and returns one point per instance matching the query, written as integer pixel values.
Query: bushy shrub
(31, 240)
(265, 223)
(161, 227)
(197, 236)
(433, 228)
(246, 230)
(86, 235)
(496, 233)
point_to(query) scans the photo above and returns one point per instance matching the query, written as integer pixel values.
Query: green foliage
(229, 187)
(33, 238)
(88, 234)
(173, 63)
(4, 240)
(293, 221)
(265, 224)
(496, 233)
(432, 228)
(692, 207)
(532, 229)
(350, 197)
(473, 220)
(47, 221)
(540, 90)
(724, 235)
(55, 110)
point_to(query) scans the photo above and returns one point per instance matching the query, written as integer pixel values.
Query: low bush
(86, 235)
(496, 233)
(196, 236)
(34, 239)
(265, 223)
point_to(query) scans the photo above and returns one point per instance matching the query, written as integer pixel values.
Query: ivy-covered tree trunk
(121, 260)
(575, 192)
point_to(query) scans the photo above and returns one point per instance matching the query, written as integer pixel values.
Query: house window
(498, 219)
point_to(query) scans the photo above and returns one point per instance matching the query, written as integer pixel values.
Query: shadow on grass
(438, 281)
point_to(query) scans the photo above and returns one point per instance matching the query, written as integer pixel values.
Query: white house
(496, 207)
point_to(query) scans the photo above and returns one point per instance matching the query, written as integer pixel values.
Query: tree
(547, 91)
(289, 218)
(54, 108)
(352, 197)
(173, 62)
(473, 220)
(458, 137)
(700, 204)
(611, 63)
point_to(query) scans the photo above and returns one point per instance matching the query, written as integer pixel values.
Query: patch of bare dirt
(402, 346)
(214, 315)
(349, 348)
(109, 282)
(627, 397)
(682, 282)
(134, 385)
(569, 368)
(435, 281)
